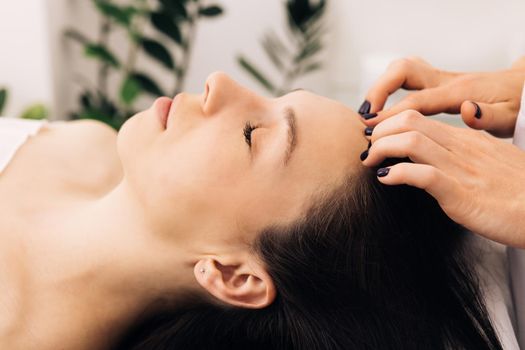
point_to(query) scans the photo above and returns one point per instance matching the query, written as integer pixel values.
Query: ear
(240, 282)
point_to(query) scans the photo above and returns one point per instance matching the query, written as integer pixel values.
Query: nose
(221, 91)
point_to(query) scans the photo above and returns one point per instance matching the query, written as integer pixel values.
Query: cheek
(205, 157)
(196, 176)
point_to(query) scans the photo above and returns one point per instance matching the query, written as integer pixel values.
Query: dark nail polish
(369, 144)
(365, 108)
(364, 155)
(478, 111)
(369, 115)
(383, 172)
(368, 131)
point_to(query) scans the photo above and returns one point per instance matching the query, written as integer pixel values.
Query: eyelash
(248, 129)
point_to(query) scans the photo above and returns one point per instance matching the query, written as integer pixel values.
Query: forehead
(330, 135)
(329, 140)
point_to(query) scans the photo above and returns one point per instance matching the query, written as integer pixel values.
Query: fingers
(426, 177)
(413, 121)
(410, 73)
(392, 80)
(497, 118)
(411, 144)
(429, 102)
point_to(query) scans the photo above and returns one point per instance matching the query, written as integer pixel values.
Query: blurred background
(106, 59)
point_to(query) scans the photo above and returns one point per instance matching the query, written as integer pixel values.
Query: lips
(162, 107)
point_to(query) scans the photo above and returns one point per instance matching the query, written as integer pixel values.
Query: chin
(132, 139)
(125, 134)
(135, 142)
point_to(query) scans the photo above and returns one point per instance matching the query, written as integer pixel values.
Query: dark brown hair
(368, 267)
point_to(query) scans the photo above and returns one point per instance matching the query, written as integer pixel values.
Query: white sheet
(14, 132)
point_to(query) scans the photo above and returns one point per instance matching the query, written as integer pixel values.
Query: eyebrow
(291, 122)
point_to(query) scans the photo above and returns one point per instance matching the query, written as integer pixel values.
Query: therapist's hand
(487, 101)
(477, 179)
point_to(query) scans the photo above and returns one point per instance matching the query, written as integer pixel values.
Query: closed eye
(248, 130)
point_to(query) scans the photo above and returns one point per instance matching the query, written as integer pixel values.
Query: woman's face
(209, 176)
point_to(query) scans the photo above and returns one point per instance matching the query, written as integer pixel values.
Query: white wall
(24, 54)
(239, 32)
(364, 36)
(465, 35)
(218, 42)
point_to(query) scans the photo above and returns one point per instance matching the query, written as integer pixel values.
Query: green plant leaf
(211, 11)
(101, 53)
(275, 50)
(309, 50)
(99, 107)
(86, 99)
(159, 52)
(36, 111)
(129, 90)
(121, 14)
(106, 105)
(97, 114)
(277, 43)
(311, 68)
(134, 36)
(256, 73)
(76, 36)
(3, 99)
(314, 31)
(302, 12)
(166, 25)
(147, 84)
(176, 8)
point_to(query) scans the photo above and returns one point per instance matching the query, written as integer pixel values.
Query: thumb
(496, 118)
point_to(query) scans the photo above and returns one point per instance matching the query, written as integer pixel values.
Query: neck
(94, 268)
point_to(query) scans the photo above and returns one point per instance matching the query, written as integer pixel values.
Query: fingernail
(368, 131)
(365, 108)
(364, 155)
(383, 172)
(478, 110)
(369, 115)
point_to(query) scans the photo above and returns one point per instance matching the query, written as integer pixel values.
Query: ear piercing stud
(202, 270)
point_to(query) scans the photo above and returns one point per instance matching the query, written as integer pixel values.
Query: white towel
(14, 132)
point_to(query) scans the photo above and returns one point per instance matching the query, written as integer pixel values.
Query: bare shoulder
(96, 141)
(86, 137)
(87, 149)
(90, 129)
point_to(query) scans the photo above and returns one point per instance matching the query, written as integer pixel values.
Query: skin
(476, 178)
(498, 94)
(191, 198)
